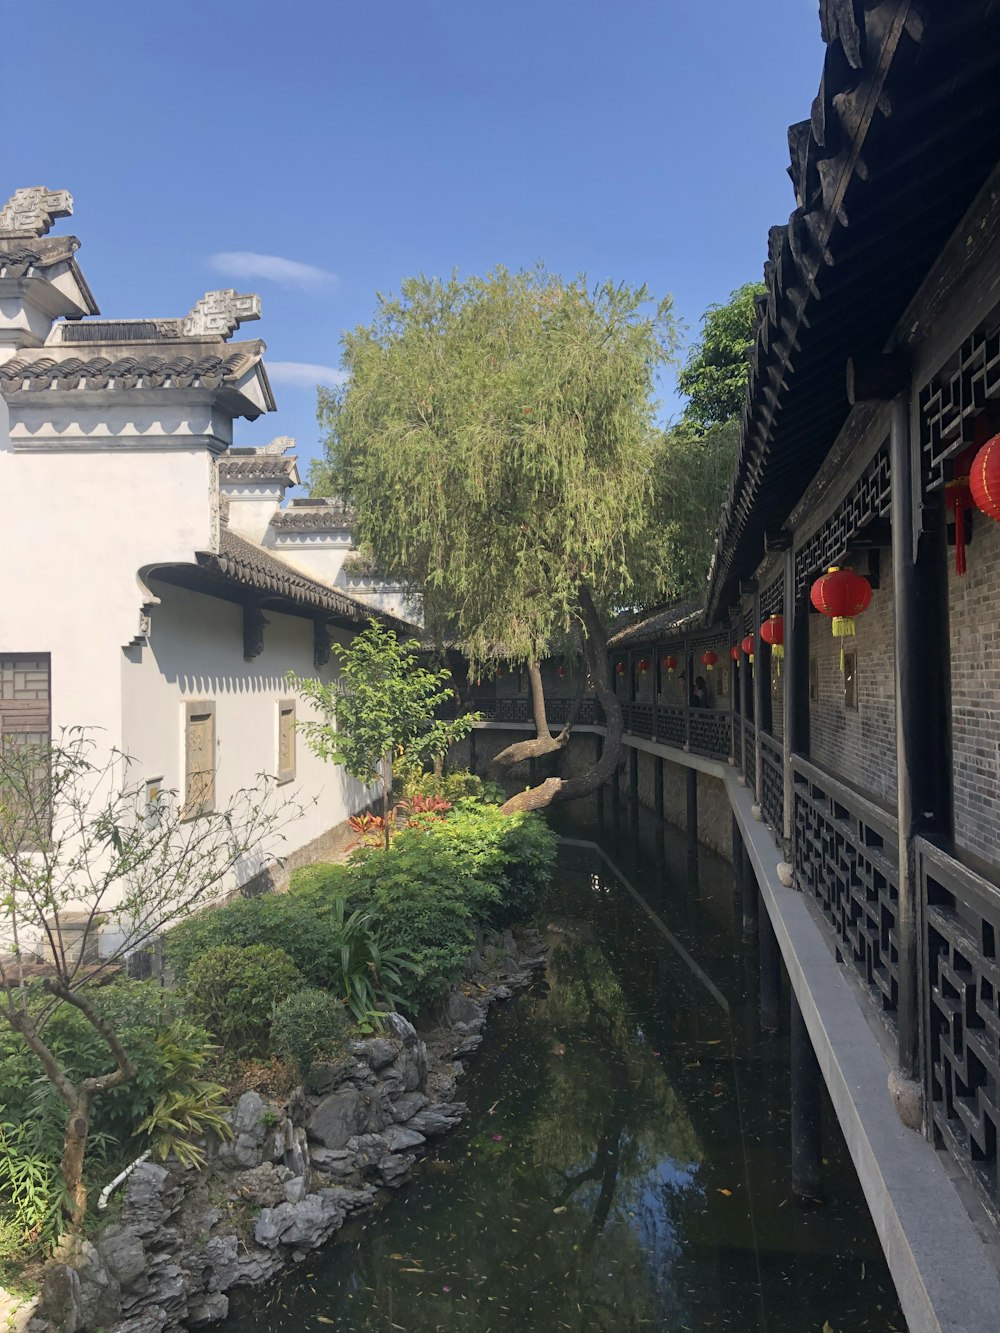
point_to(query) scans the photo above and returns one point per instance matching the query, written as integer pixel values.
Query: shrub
(308, 1026)
(456, 785)
(324, 879)
(234, 991)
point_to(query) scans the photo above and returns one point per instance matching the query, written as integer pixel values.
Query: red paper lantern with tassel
(841, 594)
(709, 659)
(561, 672)
(669, 664)
(734, 652)
(643, 666)
(620, 668)
(747, 646)
(984, 478)
(773, 632)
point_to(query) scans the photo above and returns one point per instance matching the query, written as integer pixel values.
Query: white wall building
(152, 585)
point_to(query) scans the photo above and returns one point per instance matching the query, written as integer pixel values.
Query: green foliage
(384, 702)
(188, 1107)
(495, 439)
(31, 1192)
(310, 1025)
(714, 378)
(316, 882)
(692, 473)
(234, 991)
(410, 780)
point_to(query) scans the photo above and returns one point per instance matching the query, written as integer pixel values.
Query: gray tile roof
(667, 621)
(187, 366)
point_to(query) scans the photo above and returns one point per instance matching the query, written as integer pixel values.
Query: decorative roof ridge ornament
(220, 313)
(31, 212)
(281, 444)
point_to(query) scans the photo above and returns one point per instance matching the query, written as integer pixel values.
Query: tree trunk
(544, 742)
(595, 649)
(74, 1150)
(386, 786)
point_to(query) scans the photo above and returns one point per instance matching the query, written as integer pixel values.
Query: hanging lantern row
(709, 659)
(643, 666)
(669, 664)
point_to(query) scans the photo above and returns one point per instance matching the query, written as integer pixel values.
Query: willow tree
(496, 440)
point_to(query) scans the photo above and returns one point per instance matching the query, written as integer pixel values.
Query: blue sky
(316, 152)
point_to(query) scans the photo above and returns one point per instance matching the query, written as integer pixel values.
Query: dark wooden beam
(777, 539)
(877, 381)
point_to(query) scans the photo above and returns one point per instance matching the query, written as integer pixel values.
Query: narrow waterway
(625, 1163)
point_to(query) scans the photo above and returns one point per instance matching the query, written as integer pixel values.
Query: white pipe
(108, 1190)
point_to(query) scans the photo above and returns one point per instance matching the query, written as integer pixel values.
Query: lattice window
(25, 698)
(772, 599)
(951, 401)
(867, 500)
(286, 740)
(199, 759)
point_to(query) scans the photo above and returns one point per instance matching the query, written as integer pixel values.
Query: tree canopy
(715, 375)
(496, 439)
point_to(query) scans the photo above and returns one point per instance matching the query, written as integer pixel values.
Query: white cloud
(304, 374)
(246, 266)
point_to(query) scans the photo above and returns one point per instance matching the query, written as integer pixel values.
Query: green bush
(319, 882)
(296, 922)
(308, 1026)
(234, 991)
(456, 785)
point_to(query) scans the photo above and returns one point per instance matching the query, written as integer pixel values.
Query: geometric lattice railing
(846, 857)
(750, 755)
(772, 783)
(711, 731)
(961, 1019)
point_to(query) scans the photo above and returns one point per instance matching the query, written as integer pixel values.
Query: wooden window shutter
(199, 759)
(286, 740)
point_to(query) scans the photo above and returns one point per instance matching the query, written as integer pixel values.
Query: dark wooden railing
(710, 731)
(772, 783)
(750, 754)
(846, 856)
(961, 1014)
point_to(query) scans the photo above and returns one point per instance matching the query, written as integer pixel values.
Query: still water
(624, 1164)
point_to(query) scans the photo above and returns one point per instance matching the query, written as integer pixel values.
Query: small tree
(384, 702)
(78, 836)
(714, 378)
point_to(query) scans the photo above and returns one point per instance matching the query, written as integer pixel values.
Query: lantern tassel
(843, 626)
(960, 539)
(778, 651)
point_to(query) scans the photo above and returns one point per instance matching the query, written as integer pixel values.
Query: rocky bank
(289, 1178)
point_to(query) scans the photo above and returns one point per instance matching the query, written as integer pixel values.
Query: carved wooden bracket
(254, 624)
(321, 643)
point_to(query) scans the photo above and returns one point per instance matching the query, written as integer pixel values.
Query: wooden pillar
(770, 973)
(658, 786)
(923, 759)
(758, 693)
(796, 695)
(745, 686)
(806, 1094)
(692, 812)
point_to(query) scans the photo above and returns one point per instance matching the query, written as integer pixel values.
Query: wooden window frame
(30, 718)
(286, 774)
(195, 708)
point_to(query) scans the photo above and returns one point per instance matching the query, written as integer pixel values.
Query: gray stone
(306, 1223)
(60, 1299)
(401, 1029)
(150, 1199)
(380, 1052)
(294, 1189)
(467, 1047)
(206, 1309)
(438, 1118)
(368, 1149)
(908, 1098)
(461, 1009)
(339, 1116)
(326, 1075)
(408, 1105)
(394, 1168)
(122, 1254)
(150, 1321)
(400, 1138)
(263, 1185)
(248, 1112)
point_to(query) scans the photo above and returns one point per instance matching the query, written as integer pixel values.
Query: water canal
(625, 1162)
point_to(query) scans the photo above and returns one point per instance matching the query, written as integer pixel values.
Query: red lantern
(842, 595)
(669, 664)
(709, 659)
(747, 646)
(773, 632)
(643, 666)
(561, 672)
(620, 668)
(958, 497)
(734, 652)
(984, 479)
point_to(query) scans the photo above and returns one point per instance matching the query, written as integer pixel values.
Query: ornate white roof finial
(281, 444)
(31, 212)
(220, 313)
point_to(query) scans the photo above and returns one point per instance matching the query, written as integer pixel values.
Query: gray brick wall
(974, 608)
(860, 746)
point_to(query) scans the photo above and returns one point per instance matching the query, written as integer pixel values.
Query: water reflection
(624, 1165)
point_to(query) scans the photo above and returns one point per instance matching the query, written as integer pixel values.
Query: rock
(254, 1140)
(306, 1223)
(150, 1199)
(297, 1153)
(262, 1185)
(786, 874)
(150, 1321)
(399, 1139)
(908, 1098)
(122, 1254)
(461, 1009)
(341, 1115)
(338, 1161)
(206, 1309)
(401, 1029)
(368, 1149)
(504, 992)
(408, 1105)
(294, 1189)
(60, 1299)
(381, 1052)
(247, 1116)
(325, 1075)
(394, 1168)
(467, 1047)
(438, 1118)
